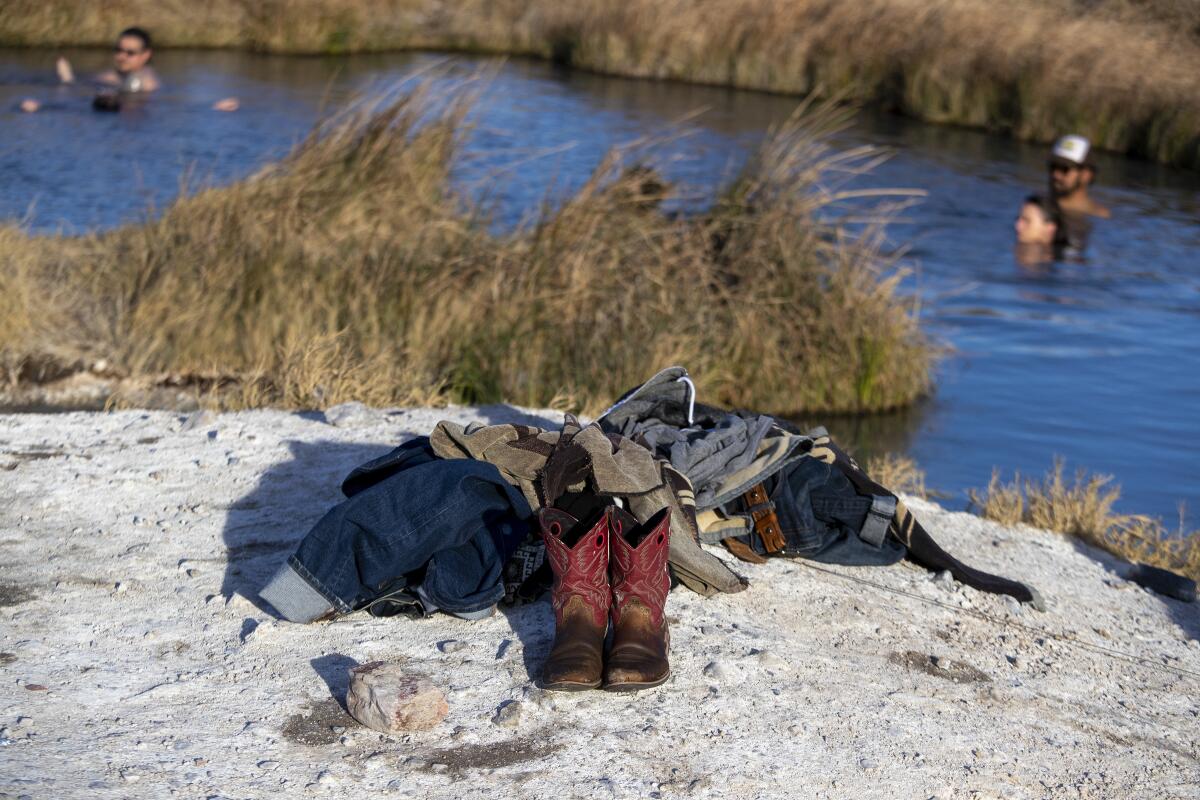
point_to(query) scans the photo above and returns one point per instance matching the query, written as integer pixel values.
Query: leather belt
(766, 524)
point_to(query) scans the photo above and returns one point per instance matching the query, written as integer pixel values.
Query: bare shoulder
(149, 78)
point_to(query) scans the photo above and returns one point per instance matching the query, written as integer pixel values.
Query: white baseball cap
(1073, 148)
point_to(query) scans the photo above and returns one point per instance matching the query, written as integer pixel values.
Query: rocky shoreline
(138, 663)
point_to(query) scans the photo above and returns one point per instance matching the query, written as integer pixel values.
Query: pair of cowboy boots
(615, 567)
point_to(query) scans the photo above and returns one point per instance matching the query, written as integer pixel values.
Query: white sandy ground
(121, 534)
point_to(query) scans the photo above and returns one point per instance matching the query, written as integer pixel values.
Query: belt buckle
(766, 523)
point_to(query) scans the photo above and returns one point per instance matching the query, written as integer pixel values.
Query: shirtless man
(1071, 173)
(131, 70)
(131, 74)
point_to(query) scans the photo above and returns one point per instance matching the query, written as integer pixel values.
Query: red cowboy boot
(640, 582)
(581, 597)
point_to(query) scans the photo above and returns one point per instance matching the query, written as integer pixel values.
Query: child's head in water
(1038, 222)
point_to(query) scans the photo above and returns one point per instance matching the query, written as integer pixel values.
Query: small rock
(944, 579)
(868, 764)
(508, 715)
(325, 778)
(503, 649)
(351, 415)
(771, 661)
(1013, 605)
(198, 419)
(268, 764)
(386, 699)
(717, 671)
(239, 603)
(376, 761)
(132, 774)
(541, 698)
(452, 646)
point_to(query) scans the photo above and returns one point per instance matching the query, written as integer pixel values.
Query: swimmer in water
(1037, 228)
(1072, 171)
(131, 72)
(131, 75)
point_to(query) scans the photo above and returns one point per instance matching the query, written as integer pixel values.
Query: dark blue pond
(1097, 362)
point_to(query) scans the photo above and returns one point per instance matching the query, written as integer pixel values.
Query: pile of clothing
(605, 517)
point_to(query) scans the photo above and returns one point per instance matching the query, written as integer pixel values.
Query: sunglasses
(1065, 168)
(123, 52)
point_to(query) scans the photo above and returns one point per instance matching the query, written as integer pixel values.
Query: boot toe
(570, 677)
(574, 664)
(633, 676)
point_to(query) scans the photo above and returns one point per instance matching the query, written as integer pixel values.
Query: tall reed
(1119, 71)
(352, 270)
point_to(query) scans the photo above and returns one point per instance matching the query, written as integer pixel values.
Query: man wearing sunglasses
(131, 63)
(131, 72)
(1071, 173)
(130, 76)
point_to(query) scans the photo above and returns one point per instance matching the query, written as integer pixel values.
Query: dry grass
(1122, 72)
(350, 270)
(897, 473)
(1182, 16)
(1083, 507)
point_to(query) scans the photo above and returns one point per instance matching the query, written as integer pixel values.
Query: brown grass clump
(1083, 507)
(351, 270)
(1122, 72)
(897, 473)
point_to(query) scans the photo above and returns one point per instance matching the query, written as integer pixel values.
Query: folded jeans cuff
(294, 597)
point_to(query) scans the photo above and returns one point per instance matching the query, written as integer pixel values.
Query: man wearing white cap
(1071, 173)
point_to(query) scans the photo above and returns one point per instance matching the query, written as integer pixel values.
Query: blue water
(1096, 362)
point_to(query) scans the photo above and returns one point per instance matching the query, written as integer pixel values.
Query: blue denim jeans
(440, 530)
(820, 515)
